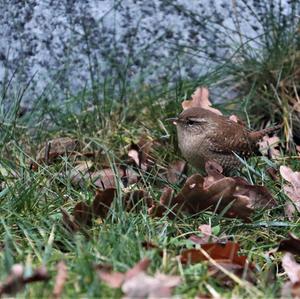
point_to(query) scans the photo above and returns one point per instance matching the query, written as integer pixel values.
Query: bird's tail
(257, 135)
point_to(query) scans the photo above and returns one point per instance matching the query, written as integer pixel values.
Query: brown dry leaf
(139, 153)
(106, 178)
(148, 245)
(291, 267)
(158, 210)
(135, 283)
(292, 190)
(145, 286)
(206, 231)
(113, 279)
(60, 280)
(82, 214)
(134, 200)
(273, 173)
(57, 147)
(116, 279)
(268, 146)
(81, 218)
(176, 170)
(221, 253)
(207, 236)
(80, 172)
(102, 202)
(292, 245)
(226, 255)
(200, 99)
(68, 221)
(215, 192)
(16, 279)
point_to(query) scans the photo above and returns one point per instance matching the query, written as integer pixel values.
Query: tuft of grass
(266, 72)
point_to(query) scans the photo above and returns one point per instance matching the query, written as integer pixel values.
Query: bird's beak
(173, 120)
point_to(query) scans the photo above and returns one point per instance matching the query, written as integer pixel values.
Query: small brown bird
(204, 135)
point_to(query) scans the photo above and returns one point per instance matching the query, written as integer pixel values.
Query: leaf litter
(136, 283)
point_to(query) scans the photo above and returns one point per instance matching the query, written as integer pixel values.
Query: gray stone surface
(68, 44)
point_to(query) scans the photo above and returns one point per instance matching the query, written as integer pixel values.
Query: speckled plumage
(204, 135)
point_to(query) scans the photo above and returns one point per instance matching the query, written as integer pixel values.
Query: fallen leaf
(102, 202)
(221, 253)
(134, 200)
(116, 279)
(292, 244)
(142, 265)
(68, 221)
(207, 236)
(81, 218)
(105, 178)
(158, 210)
(57, 147)
(215, 192)
(113, 279)
(16, 279)
(176, 170)
(200, 99)
(80, 172)
(139, 153)
(292, 269)
(82, 214)
(268, 146)
(149, 245)
(60, 280)
(273, 173)
(39, 274)
(135, 283)
(292, 190)
(226, 255)
(145, 286)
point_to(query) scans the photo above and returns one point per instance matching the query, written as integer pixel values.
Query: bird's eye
(190, 122)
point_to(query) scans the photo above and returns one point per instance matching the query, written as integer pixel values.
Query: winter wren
(204, 135)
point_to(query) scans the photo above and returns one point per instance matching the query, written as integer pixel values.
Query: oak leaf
(200, 98)
(292, 190)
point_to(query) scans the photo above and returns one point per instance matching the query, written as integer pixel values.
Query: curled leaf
(292, 190)
(292, 245)
(135, 283)
(200, 98)
(57, 147)
(235, 196)
(268, 146)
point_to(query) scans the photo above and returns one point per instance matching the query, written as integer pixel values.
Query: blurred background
(64, 46)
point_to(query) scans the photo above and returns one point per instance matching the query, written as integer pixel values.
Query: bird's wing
(231, 137)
